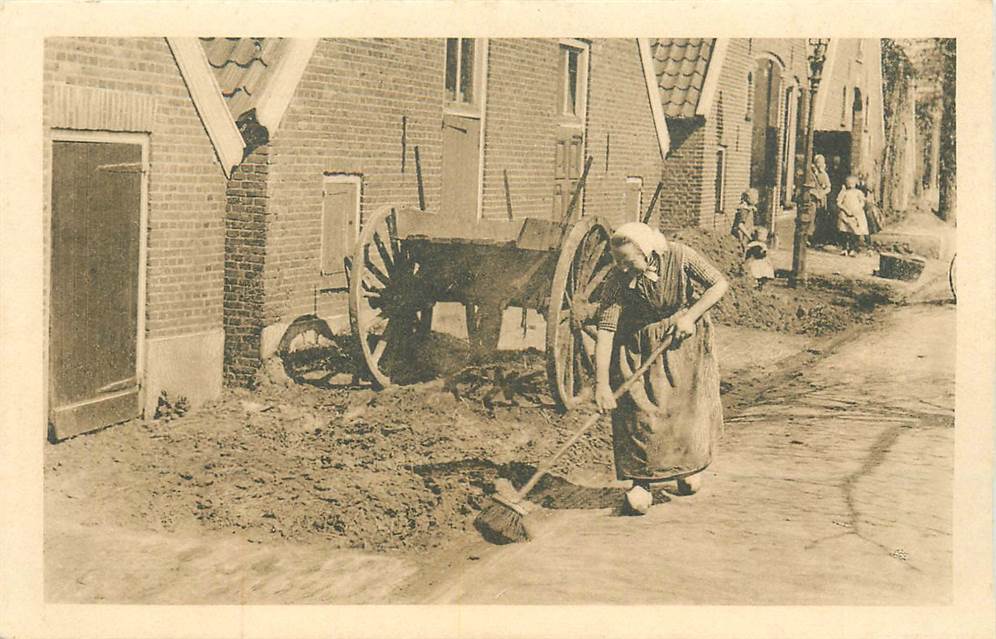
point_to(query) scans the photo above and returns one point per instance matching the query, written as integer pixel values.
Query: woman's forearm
(709, 299)
(603, 353)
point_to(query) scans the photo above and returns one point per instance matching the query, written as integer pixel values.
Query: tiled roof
(680, 65)
(242, 67)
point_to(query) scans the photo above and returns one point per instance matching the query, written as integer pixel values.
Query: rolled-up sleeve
(699, 268)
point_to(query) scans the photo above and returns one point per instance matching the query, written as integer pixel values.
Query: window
(463, 70)
(720, 186)
(633, 203)
(340, 224)
(860, 57)
(573, 80)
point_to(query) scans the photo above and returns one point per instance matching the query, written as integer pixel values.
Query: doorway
(463, 128)
(765, 135)
(96, 298)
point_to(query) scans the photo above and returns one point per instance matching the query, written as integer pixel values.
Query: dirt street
(834, 489)
(834, 474)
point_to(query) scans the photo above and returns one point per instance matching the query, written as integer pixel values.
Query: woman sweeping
(666, 428)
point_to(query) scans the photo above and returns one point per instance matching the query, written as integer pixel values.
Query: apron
(667, 426)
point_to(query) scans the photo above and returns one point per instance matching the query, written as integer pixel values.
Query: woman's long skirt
(667, 426)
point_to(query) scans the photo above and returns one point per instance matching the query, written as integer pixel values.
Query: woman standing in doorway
(666, 428)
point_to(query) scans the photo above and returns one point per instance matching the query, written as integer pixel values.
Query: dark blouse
(618, 287)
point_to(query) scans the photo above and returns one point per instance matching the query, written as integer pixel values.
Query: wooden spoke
(392, 231)
(377, 325)
(385, 255)
(587, 351)
(389, 305)
(595, 281)
(379, 274)
(378, 351)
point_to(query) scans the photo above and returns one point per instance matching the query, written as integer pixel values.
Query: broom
(503, 522)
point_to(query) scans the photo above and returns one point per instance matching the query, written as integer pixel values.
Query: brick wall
(690, 169)
(521, 127)
(246, 223)
(619, 117)
(346, 117)
(683, 176)
(186, 187)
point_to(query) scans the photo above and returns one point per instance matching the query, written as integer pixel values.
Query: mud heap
(828, 305)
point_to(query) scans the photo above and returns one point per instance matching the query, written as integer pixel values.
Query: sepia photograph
(517, 321)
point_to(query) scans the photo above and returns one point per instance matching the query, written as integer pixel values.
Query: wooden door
(568, 165)
(93, 327)
(461, 166)
(340, 214)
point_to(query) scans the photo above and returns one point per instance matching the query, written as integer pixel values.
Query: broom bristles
(501, 523)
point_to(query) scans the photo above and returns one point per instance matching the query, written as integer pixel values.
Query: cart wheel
(570, 320)
(390, 304)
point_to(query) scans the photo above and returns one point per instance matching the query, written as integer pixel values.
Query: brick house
(201, 193)
(469, 129)
(736, 112)
(134, 208)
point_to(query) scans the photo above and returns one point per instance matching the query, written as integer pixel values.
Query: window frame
(474, 108)
(578, 118)
(719, 186)
(329, 278)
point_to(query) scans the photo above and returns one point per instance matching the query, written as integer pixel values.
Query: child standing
(745, 218)
(756, 261)
(851, 220)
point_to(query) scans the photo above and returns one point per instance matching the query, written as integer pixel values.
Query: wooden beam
(654, 95)
(278, 92)
(711, 81)
(210, 104)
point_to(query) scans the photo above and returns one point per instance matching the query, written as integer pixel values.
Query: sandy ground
(142, 512)
(321, 492)
(835, 489)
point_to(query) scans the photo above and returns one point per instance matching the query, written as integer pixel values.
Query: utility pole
(806, 208)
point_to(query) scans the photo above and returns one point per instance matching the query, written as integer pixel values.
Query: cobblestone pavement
(834, 488)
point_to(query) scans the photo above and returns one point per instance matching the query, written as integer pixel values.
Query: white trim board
(283, 82)
(192, 61)
(485, 53)
(654, 95)
(711, 81)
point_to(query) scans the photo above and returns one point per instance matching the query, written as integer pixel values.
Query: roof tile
(241, 67)
(680, 65)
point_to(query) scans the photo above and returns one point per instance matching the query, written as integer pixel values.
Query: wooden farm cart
(407, 260)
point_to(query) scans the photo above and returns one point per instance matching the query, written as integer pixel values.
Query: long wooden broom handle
(545, 466)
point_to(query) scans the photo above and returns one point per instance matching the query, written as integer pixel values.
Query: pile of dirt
(404, 469)
(828, 305)
(305, 457)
